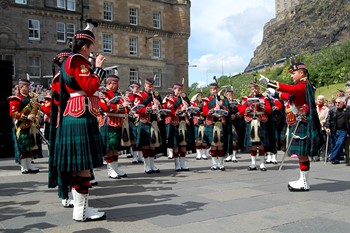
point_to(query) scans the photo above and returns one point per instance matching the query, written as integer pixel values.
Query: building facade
(285, 5)
(143, 37)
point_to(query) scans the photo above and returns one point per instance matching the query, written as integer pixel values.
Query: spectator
(338, 126)
(322, 111)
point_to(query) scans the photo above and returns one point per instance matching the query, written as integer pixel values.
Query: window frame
(158, 81)
(33, 29)
(133, 75)
(23, 2)
(156, 22)
(156, 49)
(107, 12)
(32, 66)
(59, 32)
(133, 46)
(71, 3)
(109, 43)
(133, 18)
(70, 35)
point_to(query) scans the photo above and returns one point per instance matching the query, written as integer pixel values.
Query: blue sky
(224, 35)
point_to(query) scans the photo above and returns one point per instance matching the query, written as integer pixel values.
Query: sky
(224, 35)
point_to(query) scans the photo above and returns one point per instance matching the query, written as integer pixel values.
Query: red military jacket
(55, 88)
(255, 108)
(147, 100)
(207, 108)
(173, 117)
(115, 112)
(46, 109)
(83, 83)
(17, 106)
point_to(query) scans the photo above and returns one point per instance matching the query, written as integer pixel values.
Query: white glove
(263, 79)
(271, 91)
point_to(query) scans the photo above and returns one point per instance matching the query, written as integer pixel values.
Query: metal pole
(326, 152)
(290, 142)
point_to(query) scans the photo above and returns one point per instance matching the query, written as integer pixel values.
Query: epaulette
(13, 97)
(70, 58)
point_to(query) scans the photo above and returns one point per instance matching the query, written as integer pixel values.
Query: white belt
(115, 114)
(196, 117)
(77, 93)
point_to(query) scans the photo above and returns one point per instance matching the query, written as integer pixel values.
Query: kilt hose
(299, 144)
(78, 144)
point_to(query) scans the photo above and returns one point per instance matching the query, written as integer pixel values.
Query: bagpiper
(177, 123)
(148, 134)
(133, 121)
(256, 108)
(114, 125)
(199, 126)
(215, 110)
(305, 136)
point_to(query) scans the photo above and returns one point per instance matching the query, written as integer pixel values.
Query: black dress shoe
(252, 168)
(335, 162)
(149, 172)
(156, 171)
(185, 169)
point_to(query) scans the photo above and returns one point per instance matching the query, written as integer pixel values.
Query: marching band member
(302, 119)
(136, 152)
(234, 126)
(168, 98)
(60, 57)
(148, 134)
(278, 132)
(213, 110)
(176, 126)
(256, 108)
(24, 110)
(46, 109)
(115, 137)
(78, 142)
(199, 121)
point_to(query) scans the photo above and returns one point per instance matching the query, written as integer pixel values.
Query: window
(9, 57)
(61, 32)
(156, 48)
(107, 11)
(133, 16)
(21, 2)
(133, 46)
(61, 4)
(107, 43)
(70, 4)
(158, 74)
(156, 20)
(34, 29)
(34, 66)
(70, 31)
(134, 76)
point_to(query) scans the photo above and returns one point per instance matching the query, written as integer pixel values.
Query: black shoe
(149, 172)
(213, 168)
(252, 168)
(185, 169)
(335, 162)
(114, 178)
(125, 175)
(234, 161)
(134, 162)
(156, 171)
(297, 190)
(33, 171)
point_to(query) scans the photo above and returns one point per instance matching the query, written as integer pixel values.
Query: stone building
(283, 6)
(143, 37)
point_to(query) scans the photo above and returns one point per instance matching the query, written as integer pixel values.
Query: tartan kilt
(298, 146)
(111, 137)
(16, 146)
(172, 135)
(208, 134)
(228, 138)
(143, 134)
(24, 140)
(133, 131)
(265, 135)
(78, 144)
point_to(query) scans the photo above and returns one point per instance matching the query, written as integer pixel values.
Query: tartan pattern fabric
(264, 139)
(172, 135)
(24, 140)
(16, 146)
(314, 133)
(79, 147)
(298, 146)
(143, 134)
(133, 131)
(208, 134)
(111, 137)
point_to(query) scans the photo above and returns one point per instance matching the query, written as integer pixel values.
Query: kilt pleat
(265, 137)
(298, 146)
(172, 135)
(79, 144)
(111, 137)
(143, 134)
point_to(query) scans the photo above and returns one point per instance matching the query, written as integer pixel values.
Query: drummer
(215, 110)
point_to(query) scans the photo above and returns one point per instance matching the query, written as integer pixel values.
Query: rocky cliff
(310, 26)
